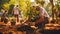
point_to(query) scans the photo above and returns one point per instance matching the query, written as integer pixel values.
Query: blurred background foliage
(25, 6)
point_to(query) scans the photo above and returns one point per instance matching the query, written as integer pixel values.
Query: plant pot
(13, 23)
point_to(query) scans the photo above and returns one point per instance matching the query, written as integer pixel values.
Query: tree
(41, 2)
(57, 9)
(24, 6)
(10, 9)
(2, 2)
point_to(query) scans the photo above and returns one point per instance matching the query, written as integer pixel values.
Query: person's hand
(32, 23)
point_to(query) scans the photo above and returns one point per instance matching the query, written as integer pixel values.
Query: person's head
(37, 8)
(5, 11)
(16, 5)
(33, 6)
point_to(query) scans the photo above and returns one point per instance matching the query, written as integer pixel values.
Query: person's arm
(41, 19)
(13, 11)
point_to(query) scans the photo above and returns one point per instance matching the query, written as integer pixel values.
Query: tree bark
(51, 1)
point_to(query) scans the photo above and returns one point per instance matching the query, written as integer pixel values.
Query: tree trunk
(51, 1)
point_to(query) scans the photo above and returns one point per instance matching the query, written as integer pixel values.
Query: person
(4, 14)
(16, 13)
(3, 17)
(44, 17)
(41, 19)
